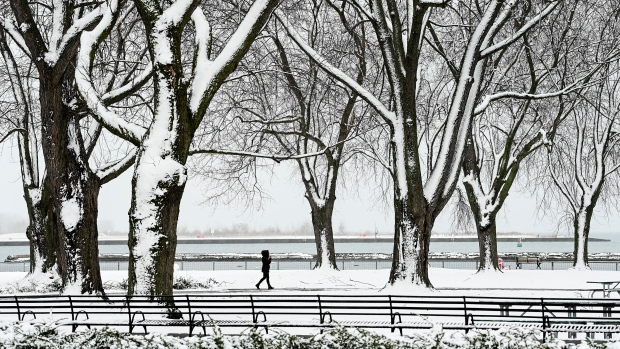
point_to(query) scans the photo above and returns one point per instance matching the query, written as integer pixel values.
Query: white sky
(287, 209)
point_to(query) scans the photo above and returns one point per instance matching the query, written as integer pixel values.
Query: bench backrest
(305, 308)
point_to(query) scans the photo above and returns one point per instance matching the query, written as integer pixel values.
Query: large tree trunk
(487, 245)
(73, 187)
(581, 225)
(160, 173)
(157, 189)
(411, 245)
(324, 235)
(153, 218)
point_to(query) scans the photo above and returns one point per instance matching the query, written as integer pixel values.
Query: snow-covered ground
(448, 282)
(537, 283)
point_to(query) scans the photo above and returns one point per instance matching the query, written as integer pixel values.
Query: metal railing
(466, 264)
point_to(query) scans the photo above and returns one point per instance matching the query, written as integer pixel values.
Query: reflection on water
(379, 247)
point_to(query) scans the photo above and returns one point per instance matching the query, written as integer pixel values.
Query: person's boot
(271, 288)
(257, 286)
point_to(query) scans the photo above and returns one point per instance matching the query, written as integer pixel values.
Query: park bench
(265, 311)
(520, 260)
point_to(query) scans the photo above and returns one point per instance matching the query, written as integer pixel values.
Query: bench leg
(607, 314)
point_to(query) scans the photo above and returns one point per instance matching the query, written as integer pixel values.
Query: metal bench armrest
(133, 318)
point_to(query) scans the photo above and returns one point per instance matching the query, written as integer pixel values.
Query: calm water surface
(351, 247)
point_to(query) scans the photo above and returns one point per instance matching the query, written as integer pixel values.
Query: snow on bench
(324, 311)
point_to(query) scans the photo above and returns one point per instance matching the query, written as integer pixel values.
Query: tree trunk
(157, 189)
(581, 224)
(153, 218)
(324, 236)
(74, 189)
(413, 217)
(411, 245)
(39, 230)
(487, 245)
(481, 207)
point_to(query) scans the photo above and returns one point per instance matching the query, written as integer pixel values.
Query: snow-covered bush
(32, 285)
(48, 336)
(179, 283)
(187, 282)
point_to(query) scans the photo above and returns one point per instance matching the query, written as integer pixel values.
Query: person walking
(266, 259)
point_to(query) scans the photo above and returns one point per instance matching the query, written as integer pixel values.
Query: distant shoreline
(355, 239)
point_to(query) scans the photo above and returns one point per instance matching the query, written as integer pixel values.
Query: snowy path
(526, 283)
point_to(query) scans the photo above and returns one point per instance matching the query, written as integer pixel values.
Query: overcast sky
(287, 209)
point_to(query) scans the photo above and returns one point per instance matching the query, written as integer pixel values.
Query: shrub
(48, 336)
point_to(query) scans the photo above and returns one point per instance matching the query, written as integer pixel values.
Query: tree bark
(411, 245)
(73, 187)
(482, 205)
(69, 196)
(153, 240)
(39, 230)
(324, 235)
(581, 225)
(160, 173)
(157, 189)
(487, 245)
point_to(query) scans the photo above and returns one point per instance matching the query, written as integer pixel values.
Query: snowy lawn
(452, 282)
(525, 283)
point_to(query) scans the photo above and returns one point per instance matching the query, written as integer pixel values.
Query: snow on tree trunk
(70, 187)
(38, 205)
(42, 255)
(581, 224)
(180, 103)
(73, 187)
(483, 206)
(324, 237)
(487, 245)
(417, 204)
(411, 246)
(413, 218)
(157, 189)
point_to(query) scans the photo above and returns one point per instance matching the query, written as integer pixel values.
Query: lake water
(365, 247)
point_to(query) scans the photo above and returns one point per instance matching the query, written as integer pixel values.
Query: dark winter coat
(266, 261)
